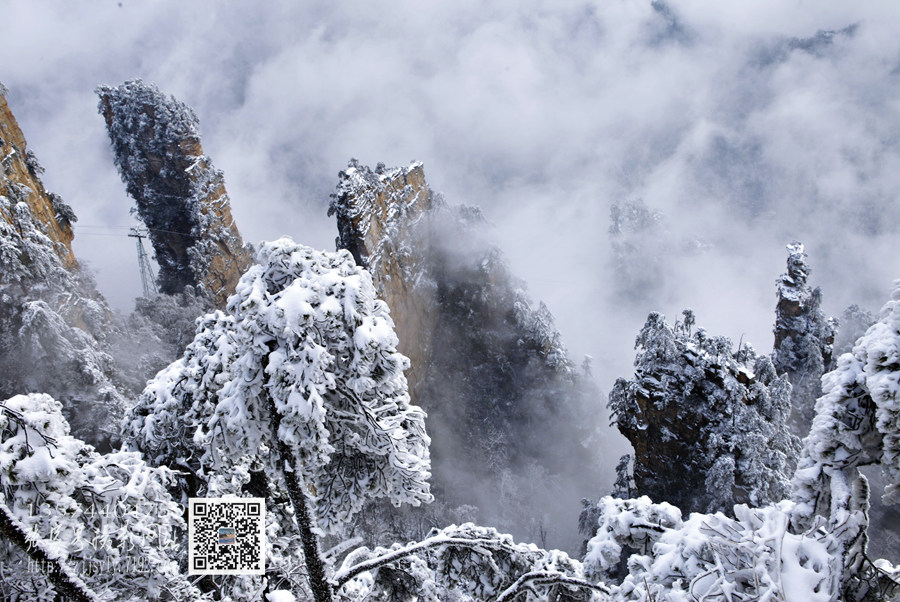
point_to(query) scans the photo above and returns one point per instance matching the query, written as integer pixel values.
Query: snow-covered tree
(638, 241)
(857, 423)
(106, 524)
(301, 381)
(854, 323)
(804, 338)
(708, 425)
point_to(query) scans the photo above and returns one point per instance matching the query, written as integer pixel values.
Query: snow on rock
(707, 423)
(180, 195)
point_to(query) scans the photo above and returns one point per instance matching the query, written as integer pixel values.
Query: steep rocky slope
(505, 403)
(384, 221)
(54, 325)
(180, 195)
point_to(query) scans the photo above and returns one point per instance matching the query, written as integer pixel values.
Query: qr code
(226, 536)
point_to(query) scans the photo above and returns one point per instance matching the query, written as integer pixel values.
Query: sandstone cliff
(180, 196)
(384, 221)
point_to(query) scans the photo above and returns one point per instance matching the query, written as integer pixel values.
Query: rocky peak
(383, 218)
(486, 364)
(20, 182)
(707, 423)
(804, 338)
(180, 195)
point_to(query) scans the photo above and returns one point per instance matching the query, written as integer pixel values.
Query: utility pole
(148, 279)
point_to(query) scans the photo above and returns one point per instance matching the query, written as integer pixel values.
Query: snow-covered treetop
(53, 324)
(753, 556)
(465, 562)
(307, 332)
(858, 416)
(857, 422)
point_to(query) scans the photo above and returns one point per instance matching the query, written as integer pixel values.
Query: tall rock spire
(384, 221)
(180, 195)
(804, 338)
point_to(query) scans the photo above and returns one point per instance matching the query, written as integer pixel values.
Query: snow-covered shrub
(109, 518)
(632, 525)
(753, 556)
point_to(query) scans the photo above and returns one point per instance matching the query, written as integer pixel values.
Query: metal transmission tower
(148, 278)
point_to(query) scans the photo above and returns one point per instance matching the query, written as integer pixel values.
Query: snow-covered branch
(476, 561)
(67, 583)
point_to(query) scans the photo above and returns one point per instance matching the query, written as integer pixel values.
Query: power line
(129, 228)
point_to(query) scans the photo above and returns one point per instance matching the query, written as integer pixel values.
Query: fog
(744, 125)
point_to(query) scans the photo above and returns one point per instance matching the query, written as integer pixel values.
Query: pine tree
(707, 425)
(300, 381)
(804, 338)
(54, 326)
(636, 235)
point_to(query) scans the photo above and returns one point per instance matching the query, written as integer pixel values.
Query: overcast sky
(744, 124)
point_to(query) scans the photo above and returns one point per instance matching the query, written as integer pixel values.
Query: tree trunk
(318, 582)
(67, 584)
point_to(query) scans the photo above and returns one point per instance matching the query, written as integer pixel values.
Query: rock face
(180, 196)
(54, 325)
(21, 183)
(502, 396)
